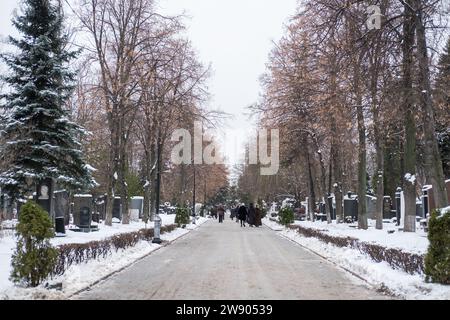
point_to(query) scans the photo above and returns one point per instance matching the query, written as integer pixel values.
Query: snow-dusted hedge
(396, 258)
(71, 254)
(437, 261)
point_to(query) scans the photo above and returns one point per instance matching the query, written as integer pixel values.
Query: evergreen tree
(39, 140)
(34, 258)
(442, 99)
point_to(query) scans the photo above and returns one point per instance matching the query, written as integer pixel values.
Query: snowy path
(227, 262)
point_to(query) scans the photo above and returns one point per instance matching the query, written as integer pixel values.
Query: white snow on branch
(410, 178)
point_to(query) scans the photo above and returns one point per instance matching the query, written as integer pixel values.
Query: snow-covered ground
(380, 275)
(80, 276)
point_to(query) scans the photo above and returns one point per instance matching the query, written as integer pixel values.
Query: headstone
(62, 206)
(44, 196)
(398, 206)
(371, 207)
(82, 212)
(419, 210)
(60, 227)
(136, 204)
(332, 208)
(117, 208)
(100, 207)
(387, 208)
(350, 208)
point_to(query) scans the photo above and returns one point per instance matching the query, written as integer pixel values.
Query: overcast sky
(235, 37)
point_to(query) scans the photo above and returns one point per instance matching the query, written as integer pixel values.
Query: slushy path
(227, 262)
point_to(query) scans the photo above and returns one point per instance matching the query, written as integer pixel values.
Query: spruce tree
(39, 139)
(442, 99)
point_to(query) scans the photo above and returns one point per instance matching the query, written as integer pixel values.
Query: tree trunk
(113, 157)
(312, 194)
(434, 172)
(337, 173)
(123, 171)
(410, 123)
(378, 137)
(362, 160)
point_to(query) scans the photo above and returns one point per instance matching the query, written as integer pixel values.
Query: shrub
(437, 260)
(396, 258)
(72, 254)
(182, 217)
(286, 216)
(34, 258)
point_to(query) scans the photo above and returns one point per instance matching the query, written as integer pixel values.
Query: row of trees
(138, 78)
(359, 109)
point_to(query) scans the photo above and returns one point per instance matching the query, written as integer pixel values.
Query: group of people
(250, 215)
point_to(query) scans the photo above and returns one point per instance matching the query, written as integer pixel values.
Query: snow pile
(79, 277)
(380, 275)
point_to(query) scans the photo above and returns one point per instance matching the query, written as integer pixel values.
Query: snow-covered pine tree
(39, 140)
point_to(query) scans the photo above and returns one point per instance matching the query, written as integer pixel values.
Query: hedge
(396, 258)
(76, 253)
(437, 261)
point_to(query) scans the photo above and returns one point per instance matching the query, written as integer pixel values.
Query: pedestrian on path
(214, 213)
(258, 216)
(221, 213)
(251, 215)
(242, 215)
(236, 211)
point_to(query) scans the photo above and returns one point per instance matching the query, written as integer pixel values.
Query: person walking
(258, 221)
(214, 213)
(233, 214)
(221, 213)
(242, 215)
(251, 215)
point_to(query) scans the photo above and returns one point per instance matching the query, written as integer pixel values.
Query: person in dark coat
(214, 213)
(258, 221)
(251, 215)
(221, 213)
(237, 213)
(233, 214)
(242, 215)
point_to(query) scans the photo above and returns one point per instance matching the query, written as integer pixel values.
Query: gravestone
(371, 207)
(350, 207)
(387, 208)
(332, 208)
(136, 208)
(82, 212)
(62, 204)
(117, 208)
(419, 210)
(44, 196)
(61, 211)
(100, 207)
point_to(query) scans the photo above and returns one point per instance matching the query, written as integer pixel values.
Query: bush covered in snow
(77, 253)
(437, 261)
(182, 217)
(34, 258)
(396, 258)
(286, 216)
